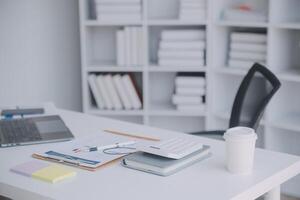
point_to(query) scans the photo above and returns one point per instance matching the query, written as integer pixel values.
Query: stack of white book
(192, 10)
(114, 91)
(124, 10)
(246, 11)
(129, 43)
(246, 49)
(247, 16)
(190, 92)
(182, 48)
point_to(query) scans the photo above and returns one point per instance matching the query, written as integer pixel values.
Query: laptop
(33, 130)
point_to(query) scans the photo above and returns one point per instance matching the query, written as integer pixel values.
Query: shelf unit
(99, 56)
(279, 130)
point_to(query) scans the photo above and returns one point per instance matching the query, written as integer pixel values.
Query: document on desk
(94, 151)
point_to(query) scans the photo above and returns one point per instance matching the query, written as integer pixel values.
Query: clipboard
(77, 165)
(90, 161)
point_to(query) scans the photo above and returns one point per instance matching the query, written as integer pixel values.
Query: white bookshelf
(280, 129)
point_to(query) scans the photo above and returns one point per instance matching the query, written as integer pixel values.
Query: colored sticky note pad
(28, 168)
(43, 171)
(53, 173)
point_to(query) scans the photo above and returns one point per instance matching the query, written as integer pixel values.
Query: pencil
(131, 135)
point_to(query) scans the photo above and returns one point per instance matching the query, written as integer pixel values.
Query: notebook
(43, 171)
(163, 166)
(174, 148)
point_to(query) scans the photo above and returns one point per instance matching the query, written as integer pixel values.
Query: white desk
(207, 180)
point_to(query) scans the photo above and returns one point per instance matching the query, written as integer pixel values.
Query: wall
(40, 52)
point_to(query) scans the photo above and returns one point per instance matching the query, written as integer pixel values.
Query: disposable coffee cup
(240, 146)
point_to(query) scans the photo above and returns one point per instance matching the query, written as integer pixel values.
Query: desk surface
(205, 180)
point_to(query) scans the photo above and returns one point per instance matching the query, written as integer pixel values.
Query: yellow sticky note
(53, 173)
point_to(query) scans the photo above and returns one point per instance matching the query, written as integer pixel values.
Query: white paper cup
(240, 146)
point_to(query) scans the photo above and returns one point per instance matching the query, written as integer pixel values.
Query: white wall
(40, 53)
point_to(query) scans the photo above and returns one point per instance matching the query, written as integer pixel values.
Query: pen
(132, 135)
(116, 145)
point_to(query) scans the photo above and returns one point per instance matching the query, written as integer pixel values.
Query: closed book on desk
(163, 166)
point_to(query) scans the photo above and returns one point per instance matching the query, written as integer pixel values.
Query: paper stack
(124, 10)
(129, 43)
(115, 91)
(190, 92)
(192, 10)
(43, 171)
(182, 48)
(246, 49)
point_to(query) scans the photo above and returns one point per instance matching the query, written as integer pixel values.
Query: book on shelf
(248, 37)
(196, 4)
(193, 2)
(129, 42)
(190, 80)
(181, 54)
(178, 35)
(183, 45)
(134, 48)
(120, 48)
(118, 8)
(194, 75)
(131, 90)
(181, 62)
(185, 99)
(117, 79)
(112, 92)
(104, 90)
(128, 45)
(250, 56)
(192, 12)
(242, 63)
(117, 1)
(242, 15)
(192, 91)
(200, 5)
(239, 46)
(191, 108)
(190, 9)
(140, 46)
(96, 93)
(182, 48)
(192, 17)
(117, 91)
(119, 17)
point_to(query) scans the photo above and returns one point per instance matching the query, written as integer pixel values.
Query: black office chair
(256, 90)
(4, 198)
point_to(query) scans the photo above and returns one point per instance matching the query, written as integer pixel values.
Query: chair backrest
(256, 90)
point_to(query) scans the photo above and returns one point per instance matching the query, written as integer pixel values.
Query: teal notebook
(163, 166)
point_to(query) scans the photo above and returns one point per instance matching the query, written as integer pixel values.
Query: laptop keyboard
(19, 130)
